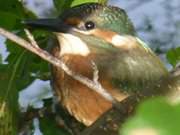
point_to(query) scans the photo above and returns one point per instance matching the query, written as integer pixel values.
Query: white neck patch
(72, 45)
(125, 42)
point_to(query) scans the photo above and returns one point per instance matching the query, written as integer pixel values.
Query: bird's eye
(89, 25)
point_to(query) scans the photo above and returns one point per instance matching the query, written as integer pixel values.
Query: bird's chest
(76, 97)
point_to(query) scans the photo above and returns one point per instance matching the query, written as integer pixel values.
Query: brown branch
(31, 38)
(34, 48)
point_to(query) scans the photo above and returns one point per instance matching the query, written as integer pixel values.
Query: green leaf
(173, 56)
(13, 6)
(1, 59)
(62, 5)
(154, 117)
(8, 86)
(29, 66)
(12, 13)
(8, 20)
(78, 2)
(8, 97)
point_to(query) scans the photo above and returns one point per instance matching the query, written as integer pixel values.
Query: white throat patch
(72, 45)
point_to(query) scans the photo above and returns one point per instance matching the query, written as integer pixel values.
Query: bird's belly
(82, 102)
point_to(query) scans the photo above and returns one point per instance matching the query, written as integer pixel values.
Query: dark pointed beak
(55, 25)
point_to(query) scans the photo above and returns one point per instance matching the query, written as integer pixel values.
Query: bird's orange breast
(82, 102)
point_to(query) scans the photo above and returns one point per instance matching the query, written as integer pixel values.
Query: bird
(102, 35)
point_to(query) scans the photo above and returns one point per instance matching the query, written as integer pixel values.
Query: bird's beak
(54, 25)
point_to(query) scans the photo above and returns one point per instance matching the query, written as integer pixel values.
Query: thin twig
(56, 62)
(31, 38)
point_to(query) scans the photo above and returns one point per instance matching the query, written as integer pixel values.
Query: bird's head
(107, 33)
(92, 16)
(88, 27)
(87, 17)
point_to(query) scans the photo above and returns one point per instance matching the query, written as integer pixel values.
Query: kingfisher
(94, 34)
